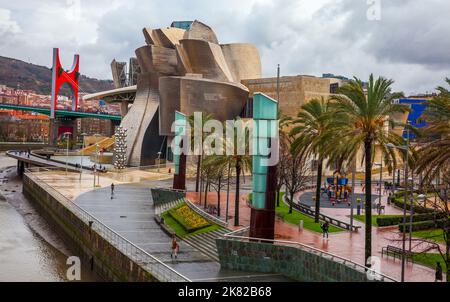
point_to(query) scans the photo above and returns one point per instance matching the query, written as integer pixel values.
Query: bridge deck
(61, 113)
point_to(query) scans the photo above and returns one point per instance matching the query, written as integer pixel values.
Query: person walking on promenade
(438, 272)
(174, 248)
(325, 227)
(112, 190)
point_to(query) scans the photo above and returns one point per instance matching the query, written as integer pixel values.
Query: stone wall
(102, 257)
(292, 262)
(295, 91)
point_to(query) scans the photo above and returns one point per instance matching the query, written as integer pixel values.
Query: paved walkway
(131, 214)
(344, 244)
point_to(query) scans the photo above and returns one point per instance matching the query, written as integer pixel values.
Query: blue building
(418, 107)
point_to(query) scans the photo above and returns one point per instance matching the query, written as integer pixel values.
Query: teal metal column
(179, 157)
(265, 160)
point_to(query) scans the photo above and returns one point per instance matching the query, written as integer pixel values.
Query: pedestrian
(325, 227)
(438, 272)
(175, 248)
(112, 190)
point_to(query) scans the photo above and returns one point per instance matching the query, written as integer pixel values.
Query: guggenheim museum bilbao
(185, 68)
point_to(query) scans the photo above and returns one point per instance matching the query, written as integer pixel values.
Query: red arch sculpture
(60, 76)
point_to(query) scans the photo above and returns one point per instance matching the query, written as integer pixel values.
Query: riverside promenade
(349, 245)
(130, 216)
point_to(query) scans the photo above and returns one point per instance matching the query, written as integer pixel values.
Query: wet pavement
(131, 214)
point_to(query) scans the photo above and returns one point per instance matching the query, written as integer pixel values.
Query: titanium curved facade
(184, 70)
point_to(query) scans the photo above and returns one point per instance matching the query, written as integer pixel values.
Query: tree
(433, 162)
(308, 129)
(217, 176)
(295, 172)
(194, 124)
(434, 154)
(366, 116)
(239, 162)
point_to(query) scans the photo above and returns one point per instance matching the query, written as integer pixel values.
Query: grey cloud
(410, 43)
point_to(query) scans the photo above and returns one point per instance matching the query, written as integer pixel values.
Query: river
(29, 249)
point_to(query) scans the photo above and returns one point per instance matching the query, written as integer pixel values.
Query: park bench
(395, 251)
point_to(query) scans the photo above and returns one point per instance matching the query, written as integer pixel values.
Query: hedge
(394, 220)
(417, 208)
(421, 225)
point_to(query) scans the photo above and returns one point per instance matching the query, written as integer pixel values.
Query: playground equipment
(338, 189)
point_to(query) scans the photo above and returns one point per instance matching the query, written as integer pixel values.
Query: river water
(29, 249)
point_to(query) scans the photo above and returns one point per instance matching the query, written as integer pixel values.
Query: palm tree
(434, 161)
(240, 163)
(309, 129)
(366, 115)
(434, 156)
(194, 124)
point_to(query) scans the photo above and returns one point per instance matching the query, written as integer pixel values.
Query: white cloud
(7, 25)
(410, 43)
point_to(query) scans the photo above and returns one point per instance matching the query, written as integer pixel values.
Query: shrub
(399, 202)
(188, 219)
(420, 226)
(391, 220)
(394, 220)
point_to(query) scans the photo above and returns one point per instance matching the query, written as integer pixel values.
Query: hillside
(38, 78)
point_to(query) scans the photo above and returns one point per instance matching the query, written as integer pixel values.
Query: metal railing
(308, 211)
(235, 235)
(206, 215)
(157, 268)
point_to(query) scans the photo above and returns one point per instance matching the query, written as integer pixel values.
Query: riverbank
(30, 250)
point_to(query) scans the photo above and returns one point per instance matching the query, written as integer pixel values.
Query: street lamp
(406, 148)
(422, 197)
(82, 148)
(159, 159)
(96, 160)
(67, 136)
(379, 187)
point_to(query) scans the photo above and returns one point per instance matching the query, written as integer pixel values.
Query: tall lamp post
(159, 160)
(67, 136)
(411, 210)
(406, 148)
(96, 159)
(82, 148)
(379, 186)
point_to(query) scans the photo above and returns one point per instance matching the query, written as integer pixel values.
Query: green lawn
(180, 231)
(435, 235)
(430, 260)
(308, 223)
(362, 218)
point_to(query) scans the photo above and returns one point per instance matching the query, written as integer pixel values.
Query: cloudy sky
(407, 40)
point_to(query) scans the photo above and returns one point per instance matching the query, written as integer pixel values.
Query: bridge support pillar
(58, 126)
(113, 126)
(124, 108)
(20, 168)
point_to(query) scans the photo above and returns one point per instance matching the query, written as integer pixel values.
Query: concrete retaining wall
(102, 257)
(290, 261)
(161, 195)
